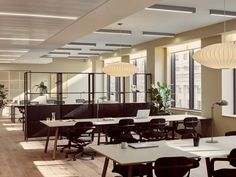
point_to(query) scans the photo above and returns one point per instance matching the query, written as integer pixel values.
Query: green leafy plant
(161, 96)
(42, 88)
(3, 96)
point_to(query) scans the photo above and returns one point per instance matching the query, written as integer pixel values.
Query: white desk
(130, 156)
(206, 150)
(101, 122)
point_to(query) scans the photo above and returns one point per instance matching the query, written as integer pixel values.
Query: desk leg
(55, 144)
(208, 165)
(104, 171)
(99, 136)
(130, 171)
(46, 145)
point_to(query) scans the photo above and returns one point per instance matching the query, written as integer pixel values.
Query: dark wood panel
(35, 113)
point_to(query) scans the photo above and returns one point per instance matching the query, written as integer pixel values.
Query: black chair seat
(225, 173)
(230, 133)
(138, 170)
(174, 166)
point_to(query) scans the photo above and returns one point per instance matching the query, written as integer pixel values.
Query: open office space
(117, 88)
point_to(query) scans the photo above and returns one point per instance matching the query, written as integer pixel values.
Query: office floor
(27, 159)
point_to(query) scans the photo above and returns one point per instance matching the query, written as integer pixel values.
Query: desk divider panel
(35, 113)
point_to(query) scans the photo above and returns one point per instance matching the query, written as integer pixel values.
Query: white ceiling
(94, 15)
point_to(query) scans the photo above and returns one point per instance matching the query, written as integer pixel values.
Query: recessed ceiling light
(89, 54)
(113, 31)
(68, 49)
(7, 59)
(148, 33)
(59, 53)
(102, 50)
(222, 13)
(78, 57)
(179, 9)
(10, 55)
(38, 15)
(83, 44)
(14, 51)
(119, 45)
(21, 39)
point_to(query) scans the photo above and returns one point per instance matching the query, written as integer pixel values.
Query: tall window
(186, 80)
(138, 79)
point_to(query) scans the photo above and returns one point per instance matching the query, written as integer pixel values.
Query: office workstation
(141, 84)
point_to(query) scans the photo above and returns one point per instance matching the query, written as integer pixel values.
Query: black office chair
(80, 136)
(155, 130)
(174, 166)
(139, 170)
(230, 133)
(225, 172)
(190, 124)
(122, 132)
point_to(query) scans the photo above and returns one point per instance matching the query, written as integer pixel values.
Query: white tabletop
(132, 156)
(222, 148)
(113, 121)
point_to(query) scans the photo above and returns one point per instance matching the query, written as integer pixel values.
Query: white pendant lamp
(121, 69)
(217, 56)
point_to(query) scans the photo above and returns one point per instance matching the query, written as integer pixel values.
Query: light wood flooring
(27, 159)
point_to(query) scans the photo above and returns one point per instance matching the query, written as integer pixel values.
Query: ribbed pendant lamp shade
(217, 56)
(120, 69)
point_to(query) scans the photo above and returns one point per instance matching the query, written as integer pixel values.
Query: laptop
(144, 145)
(142, 113)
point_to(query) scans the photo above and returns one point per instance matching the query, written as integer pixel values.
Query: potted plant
(3, 96)
(161, 98)
(42, 88)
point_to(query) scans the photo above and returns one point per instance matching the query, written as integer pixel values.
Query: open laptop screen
(143, 113)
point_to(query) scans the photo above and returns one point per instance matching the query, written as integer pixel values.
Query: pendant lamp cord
(224, 18)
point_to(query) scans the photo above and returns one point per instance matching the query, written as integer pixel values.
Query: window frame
(191, 79)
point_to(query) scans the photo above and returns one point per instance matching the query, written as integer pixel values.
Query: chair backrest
(190, 122)
(230, 133)
(126, 122)
(126, 125)
(232, 157)
(83, 127)
(158, 124)
(174, 166)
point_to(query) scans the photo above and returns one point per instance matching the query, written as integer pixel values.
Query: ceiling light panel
(73, 49)
(14, 51)
(60, 53)
(37, 15)
(83, 44)
(222, 13)
(119, 45)
(102, 50)
(148, 33)
(7, 59)
(10, 56)
(89, 54)
(21, 39)
(112, 31)
(179, 9)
